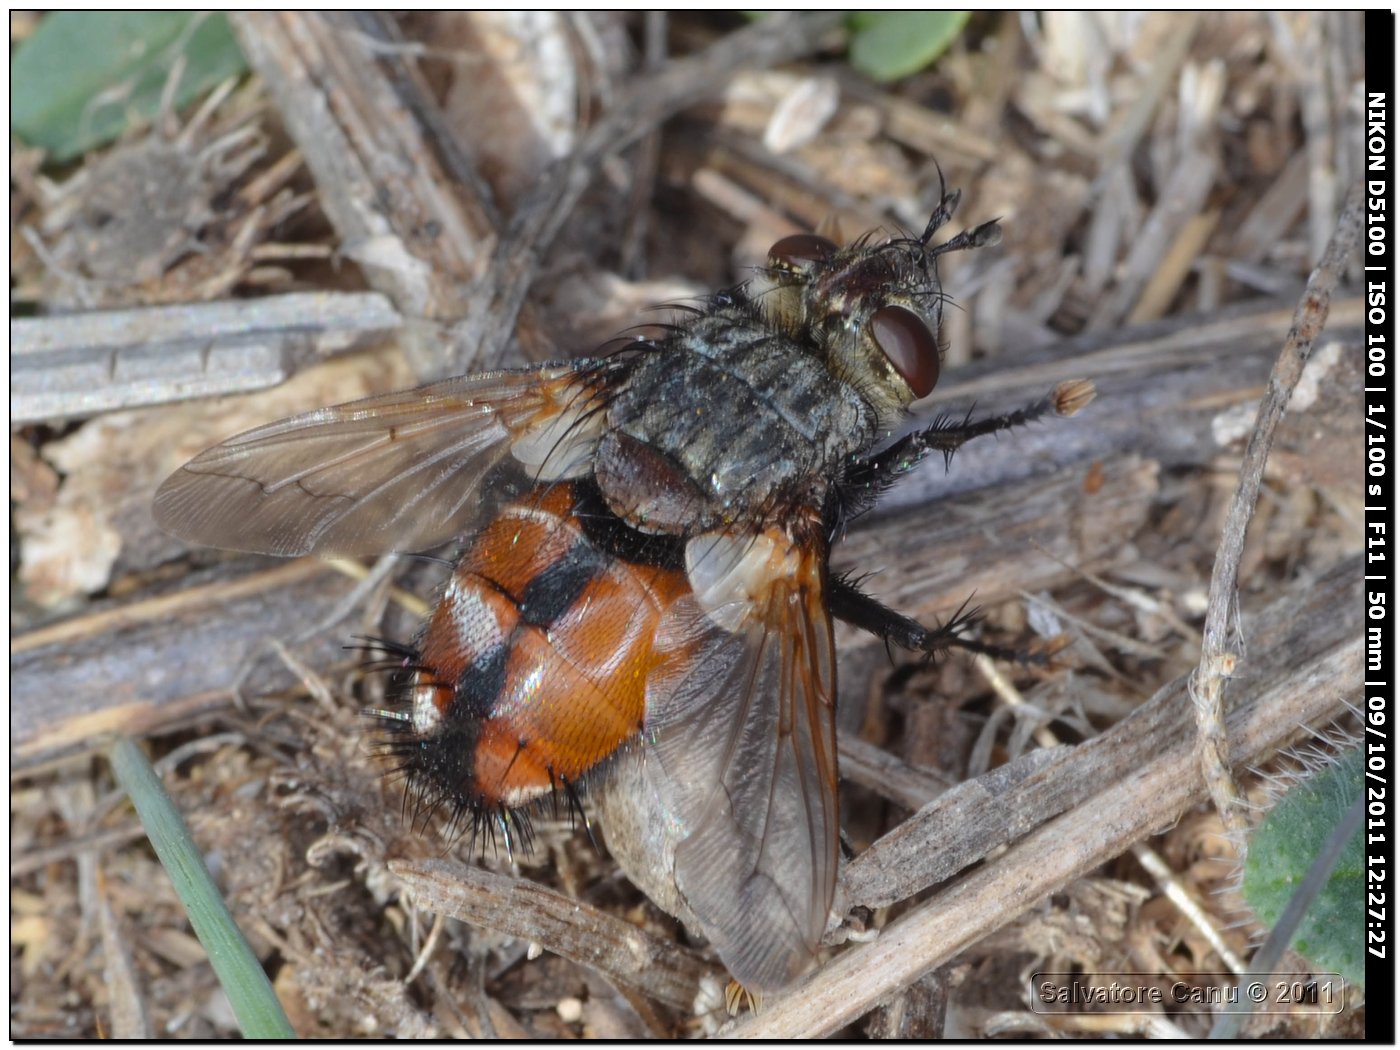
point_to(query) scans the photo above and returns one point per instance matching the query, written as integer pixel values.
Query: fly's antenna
(947, 205)
(983, 236)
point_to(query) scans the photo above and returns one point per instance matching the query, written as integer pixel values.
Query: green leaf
(1282, 849)
(82, 76)
(255, 1005)
(892, 44)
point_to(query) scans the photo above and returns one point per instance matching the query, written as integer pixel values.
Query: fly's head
(873, 310)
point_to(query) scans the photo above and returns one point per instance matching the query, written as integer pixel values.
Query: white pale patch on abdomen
(426, 716)
(478, 631)
(477, 626)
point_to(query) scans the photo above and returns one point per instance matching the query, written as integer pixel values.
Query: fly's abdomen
(533, 667)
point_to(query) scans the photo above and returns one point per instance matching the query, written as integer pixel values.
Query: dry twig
(84, 363)
(620, 951)
(1218, 656)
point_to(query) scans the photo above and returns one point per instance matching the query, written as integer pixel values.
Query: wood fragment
(80, 364)
(404, 203)
(1173, 889)
(150, 664)
(128, 1010)
(1122, 138)
(631, 253)
(922, 129)
(1184, 199)
(620, 951)
(916, 1013)
(1274, 212)
(1180, 258)
(876, 769)
(1219, 654)
(95, 843)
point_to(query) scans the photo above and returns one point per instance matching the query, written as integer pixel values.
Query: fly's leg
(870, 476)
(853, 606)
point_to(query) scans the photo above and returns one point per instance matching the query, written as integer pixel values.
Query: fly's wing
(399, 471)
(744, 733)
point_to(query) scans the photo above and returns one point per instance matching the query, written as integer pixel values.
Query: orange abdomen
(533, 667)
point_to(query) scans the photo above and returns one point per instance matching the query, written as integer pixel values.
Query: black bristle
(433, 770)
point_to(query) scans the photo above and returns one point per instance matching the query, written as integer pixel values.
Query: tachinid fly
(644, 567)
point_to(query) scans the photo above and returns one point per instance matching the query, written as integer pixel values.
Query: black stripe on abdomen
(553, 592)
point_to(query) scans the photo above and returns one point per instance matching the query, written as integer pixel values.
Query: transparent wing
(745, 737)
(399, 471)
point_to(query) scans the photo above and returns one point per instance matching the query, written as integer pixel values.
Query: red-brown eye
(908, 344)
(799, 250)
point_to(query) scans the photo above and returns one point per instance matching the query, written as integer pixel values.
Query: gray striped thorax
(730, 420)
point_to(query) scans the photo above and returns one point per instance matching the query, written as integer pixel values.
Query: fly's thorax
(728, 421)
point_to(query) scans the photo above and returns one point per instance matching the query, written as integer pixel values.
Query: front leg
(868, 477)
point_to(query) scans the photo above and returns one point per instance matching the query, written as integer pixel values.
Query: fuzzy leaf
(83, 76)
(892, 44)
(1282, 849)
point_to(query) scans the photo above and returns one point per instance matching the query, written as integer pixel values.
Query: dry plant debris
(170, 214)
(1182, 170)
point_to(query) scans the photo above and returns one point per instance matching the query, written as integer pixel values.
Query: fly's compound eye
(909, 346)
(799, 252)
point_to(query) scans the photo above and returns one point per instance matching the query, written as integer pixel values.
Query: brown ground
(1147, 168)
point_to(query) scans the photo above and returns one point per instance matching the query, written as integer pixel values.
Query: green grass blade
(255, 1005)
